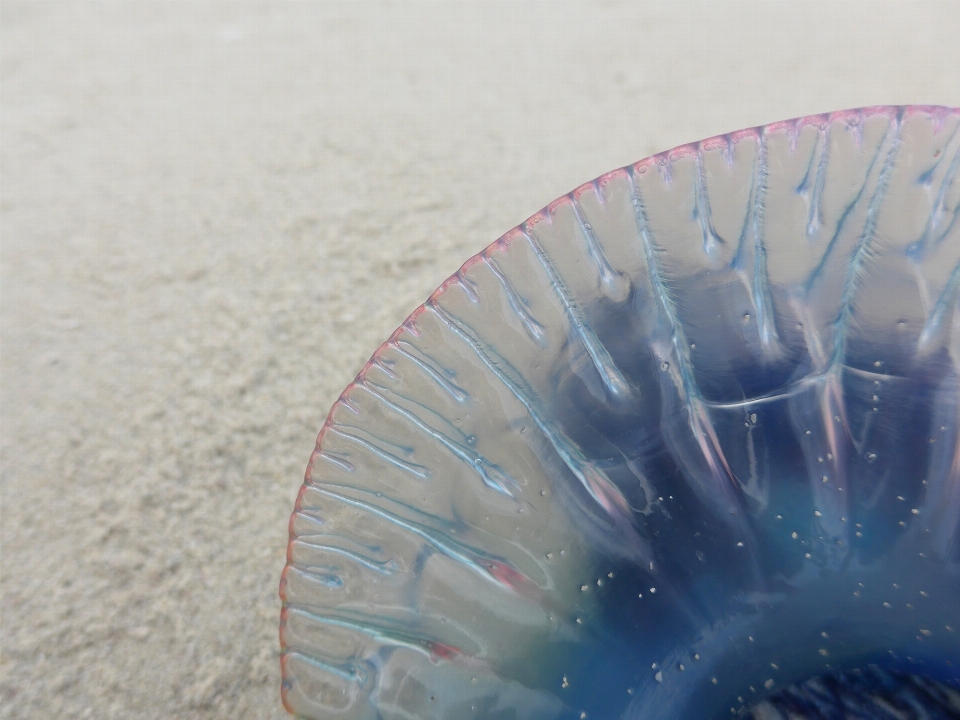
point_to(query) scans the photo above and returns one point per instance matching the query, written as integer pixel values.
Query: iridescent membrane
(684, 439)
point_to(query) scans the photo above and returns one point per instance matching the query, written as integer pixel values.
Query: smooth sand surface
(212, 214)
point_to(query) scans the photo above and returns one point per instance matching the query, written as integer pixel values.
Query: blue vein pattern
(682, 443)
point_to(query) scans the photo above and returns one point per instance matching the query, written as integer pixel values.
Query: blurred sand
(212, 214)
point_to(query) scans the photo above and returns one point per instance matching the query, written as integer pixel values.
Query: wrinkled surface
(687, 435)
(862, 693)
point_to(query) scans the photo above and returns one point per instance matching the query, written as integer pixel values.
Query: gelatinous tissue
(683, 439)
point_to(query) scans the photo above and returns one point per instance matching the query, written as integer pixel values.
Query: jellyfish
(684, 444)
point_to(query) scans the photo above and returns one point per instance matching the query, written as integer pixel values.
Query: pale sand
(213, 214)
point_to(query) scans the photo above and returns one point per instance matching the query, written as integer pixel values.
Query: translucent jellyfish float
(682, 446)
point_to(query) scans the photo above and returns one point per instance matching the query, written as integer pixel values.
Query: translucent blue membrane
(685, 438)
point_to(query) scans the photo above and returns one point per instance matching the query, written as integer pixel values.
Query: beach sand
(211, 216)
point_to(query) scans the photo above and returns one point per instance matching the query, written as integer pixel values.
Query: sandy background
(211, 216)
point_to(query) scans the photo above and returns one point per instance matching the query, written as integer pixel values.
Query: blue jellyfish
(682, 446)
